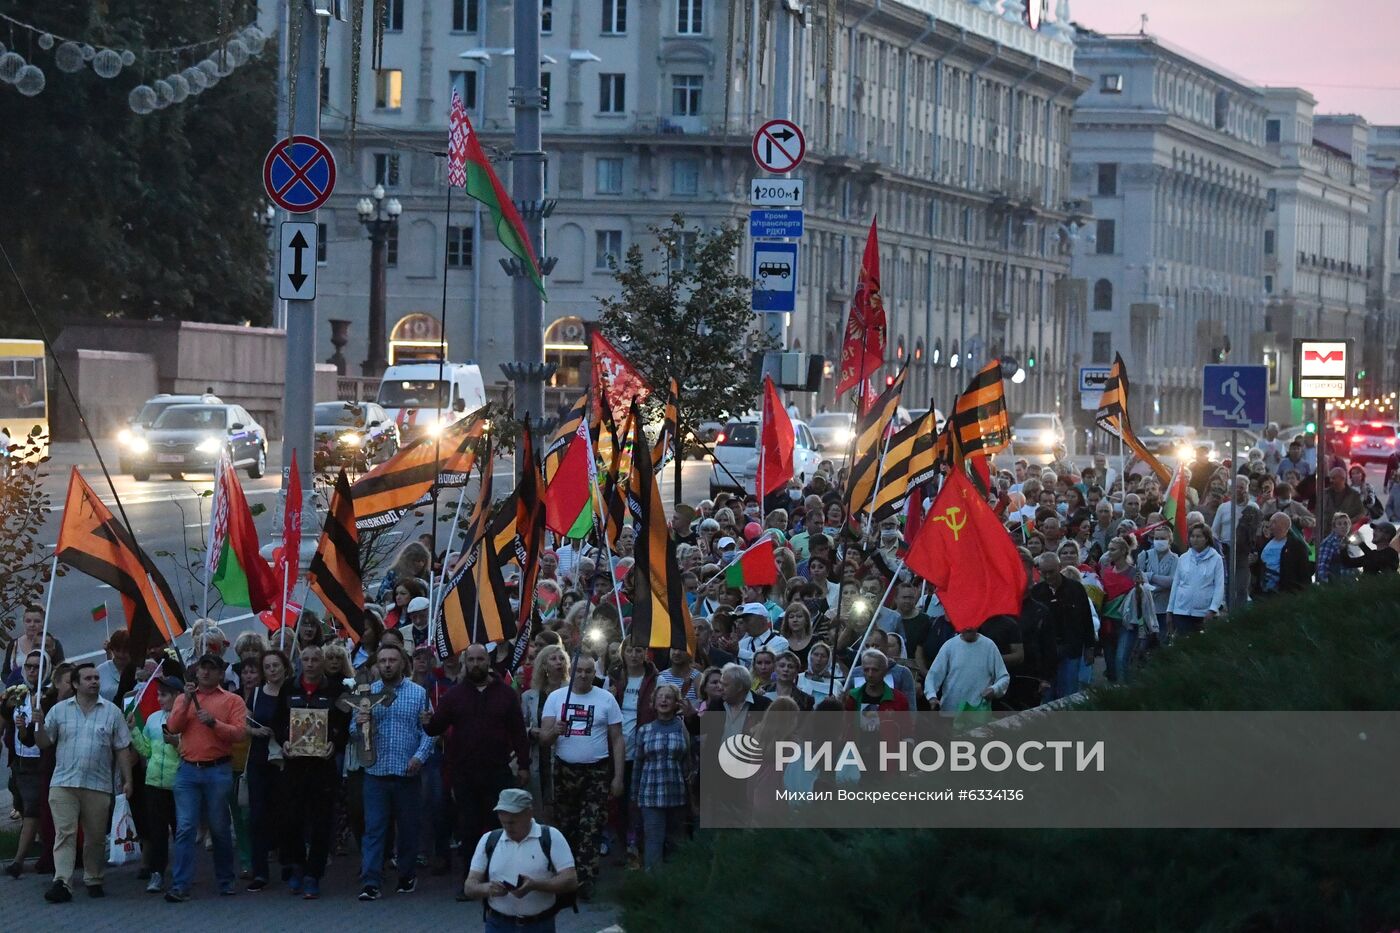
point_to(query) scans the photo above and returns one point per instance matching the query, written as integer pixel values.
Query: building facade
(948, 119)
(1383, 260)
(1170, 158)
(1316, 237)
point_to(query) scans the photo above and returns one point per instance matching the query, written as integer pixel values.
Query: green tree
(23, 508)
(685, 313)
(114, 214)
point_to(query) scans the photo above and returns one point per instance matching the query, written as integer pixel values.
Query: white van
(413, 396)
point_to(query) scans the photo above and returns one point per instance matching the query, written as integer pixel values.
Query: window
(546, 17)
(610, 176)
(1103, 346)
(388, 89)
(386, 169)
(685, 176)
(1108, 178)
(546, 83)
(459, 247)
(1103, 295)
(1272, 199)
(325, 85)
(690, 18)
(1273, 129)
(1268, 242)
(466, 80)
(612, 93)
(320, 244)
(609, 248)
(685, 251)
(614, 17)
(466, 15)
(685, 95)
(393, 15)
(1103, 237)
(1268, 284)
(392, 241)
(1111, 84)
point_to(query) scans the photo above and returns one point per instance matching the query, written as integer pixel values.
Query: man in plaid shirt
(392, 783)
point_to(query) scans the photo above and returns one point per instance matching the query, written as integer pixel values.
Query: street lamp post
(379, 215)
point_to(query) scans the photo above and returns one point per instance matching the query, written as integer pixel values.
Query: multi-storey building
(1170, 155)
(1316, 236)
(949, 119)
(1383, 261)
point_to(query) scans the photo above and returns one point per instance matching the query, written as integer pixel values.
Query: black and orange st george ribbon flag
(667, 439)
(529, 526)
(335, 575)
(979, 415)
(1112, 416)
(613, 493)
(963, 549)
(559, 438)
(92, 541)
(405, 481)
(475, 607)
(908, 462)
(660, 618)
(872, 431)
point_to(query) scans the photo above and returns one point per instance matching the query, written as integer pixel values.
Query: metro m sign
(1321, 368)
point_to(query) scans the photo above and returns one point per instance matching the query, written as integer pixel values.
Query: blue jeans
(1127, 639)
(435, 826)
(494, 925)
(1067, 676)
(661, 830)
(202, 793)
(388, 798)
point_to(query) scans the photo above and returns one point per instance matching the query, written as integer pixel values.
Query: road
(169, 518)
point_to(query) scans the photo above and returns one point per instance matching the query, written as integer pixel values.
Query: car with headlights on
(353, 434)
(150, 411)
(192, 438)
(1037, 433)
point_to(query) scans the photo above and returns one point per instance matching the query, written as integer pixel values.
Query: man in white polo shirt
(758, 633)
(521, 869)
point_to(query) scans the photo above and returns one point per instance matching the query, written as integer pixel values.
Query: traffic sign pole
(775, 324)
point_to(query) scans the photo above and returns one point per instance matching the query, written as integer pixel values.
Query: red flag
(457, 142)
(963, 550)
(863, 350)
(775, 458)
(288, 564)
(615, 380)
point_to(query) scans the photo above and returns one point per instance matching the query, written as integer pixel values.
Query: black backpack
(561, 901)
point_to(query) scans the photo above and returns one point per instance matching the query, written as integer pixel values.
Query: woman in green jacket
(162, 753)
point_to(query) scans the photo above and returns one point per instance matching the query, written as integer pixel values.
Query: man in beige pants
(89, 736)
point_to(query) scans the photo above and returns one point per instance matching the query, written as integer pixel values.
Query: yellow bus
(24, 394)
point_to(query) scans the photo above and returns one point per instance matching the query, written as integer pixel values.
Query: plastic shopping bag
(123, 845)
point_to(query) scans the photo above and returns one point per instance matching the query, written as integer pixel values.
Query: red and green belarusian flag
(755, 567)
(468, 167)
(99, 613)
(147, 701)
(1174, 508)
(243, 578)
(568, 500)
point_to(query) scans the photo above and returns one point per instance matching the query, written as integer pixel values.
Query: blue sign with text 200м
(775, 277)
(1234, 396)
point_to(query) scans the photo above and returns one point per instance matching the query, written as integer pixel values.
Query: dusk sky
(1343, 51)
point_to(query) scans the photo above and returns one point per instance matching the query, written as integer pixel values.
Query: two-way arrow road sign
(296, 275)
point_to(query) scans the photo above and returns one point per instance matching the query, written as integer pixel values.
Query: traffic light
(1310, 427)
(1361, 374)
(1030, 360)
(889, 381)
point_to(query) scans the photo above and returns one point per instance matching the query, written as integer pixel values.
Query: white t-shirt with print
(585, 737)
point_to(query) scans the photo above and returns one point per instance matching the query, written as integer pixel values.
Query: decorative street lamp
(380, 215)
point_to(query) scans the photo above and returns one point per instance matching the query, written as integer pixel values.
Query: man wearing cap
(89, 735)
(1382, 558)
(520, 869)
(209, 720)
(759, 633)
(392, 782)
(417, 632)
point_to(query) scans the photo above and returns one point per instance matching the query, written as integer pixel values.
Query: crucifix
(362, 701)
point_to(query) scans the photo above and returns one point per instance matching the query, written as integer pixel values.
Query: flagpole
(106, 621)
(762, 449)
(48, 605)
(612, 571)
(283, 620)
(442, 400)
(874, 614)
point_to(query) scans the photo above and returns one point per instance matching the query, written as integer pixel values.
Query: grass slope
(1335, 648)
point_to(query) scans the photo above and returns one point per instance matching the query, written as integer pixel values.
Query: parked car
(136, 427)
(1373, 441)
(736, 456)
(1037, 433)
(1170, 440)
(191, 439)
(355, 435)
(833, 430)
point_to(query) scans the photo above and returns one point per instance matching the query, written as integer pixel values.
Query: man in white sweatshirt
(968, 670)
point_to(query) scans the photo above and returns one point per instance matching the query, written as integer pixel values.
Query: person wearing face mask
(726, 549)
(1157, 565)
